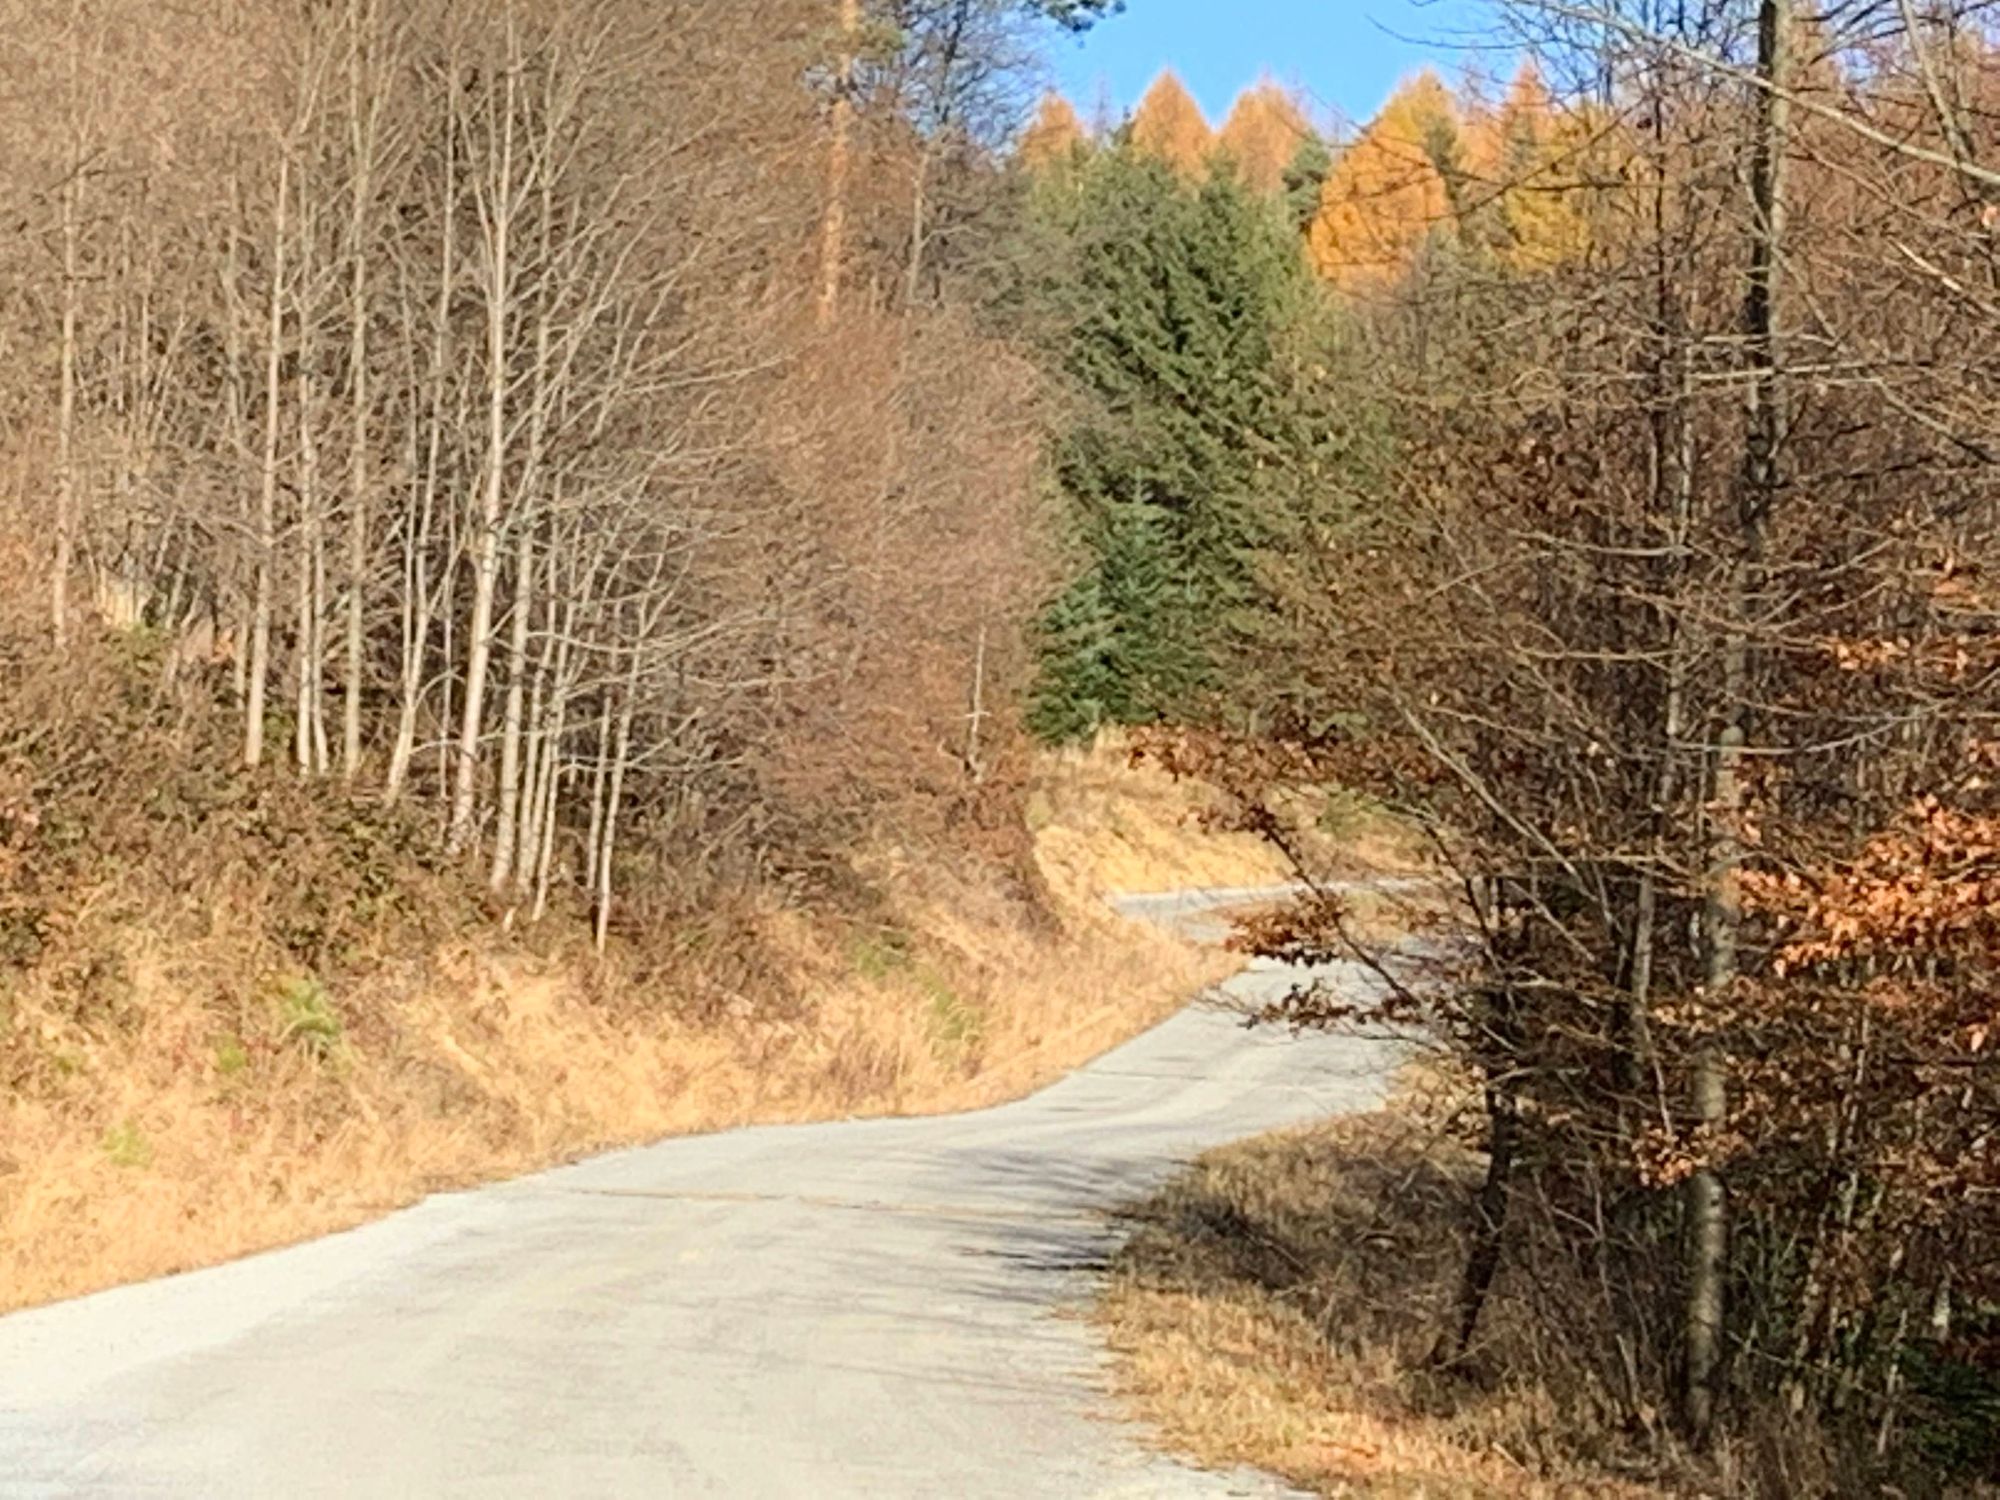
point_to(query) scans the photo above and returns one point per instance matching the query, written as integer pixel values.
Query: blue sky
(1345, 54)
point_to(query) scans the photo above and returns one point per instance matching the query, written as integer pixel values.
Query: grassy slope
(1105, 823)
(1276, 1305)
(176, 1089)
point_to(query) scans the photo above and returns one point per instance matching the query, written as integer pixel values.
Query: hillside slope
(239, 1010)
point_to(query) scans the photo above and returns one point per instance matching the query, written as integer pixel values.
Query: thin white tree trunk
(307, 640)
(309, 735)
(509, 848)
(497, 198)
(66, 486)
(419, 604)
(536, 742)
(552, 774)
(361, 18)
(234, 415)
(614, 795)
(599, 776)
(507, 823)
(267, 493)
(546, 844)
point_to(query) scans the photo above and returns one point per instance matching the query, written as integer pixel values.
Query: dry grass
(1277, 1304)
(1109, 820)
(210, 1101)
(1104, 824)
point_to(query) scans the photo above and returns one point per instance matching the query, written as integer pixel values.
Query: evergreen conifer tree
(1167, 301)
(1305, 179)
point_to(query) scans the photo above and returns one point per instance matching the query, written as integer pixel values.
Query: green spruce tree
(1305, 179)
(1165, 305)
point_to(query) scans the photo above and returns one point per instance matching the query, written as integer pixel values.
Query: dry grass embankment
(1106, 820)
(177, 1087)
(1277, 1306)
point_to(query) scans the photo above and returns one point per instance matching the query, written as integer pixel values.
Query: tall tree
(1265, 135)
(1390, 191)
(1169, 126)
(1760, 485)
(1054, 136)
(1169, 302)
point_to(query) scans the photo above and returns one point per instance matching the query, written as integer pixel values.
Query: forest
(578, 467)
(1608, 488)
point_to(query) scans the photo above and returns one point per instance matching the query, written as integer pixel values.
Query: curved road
(857, 1309)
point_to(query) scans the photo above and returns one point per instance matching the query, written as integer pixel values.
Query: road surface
(870, 1308)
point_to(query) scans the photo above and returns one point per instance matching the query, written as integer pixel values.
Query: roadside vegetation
(518, 534)
(238, 1013)
(1279, 1305)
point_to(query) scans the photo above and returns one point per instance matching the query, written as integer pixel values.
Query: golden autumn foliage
(1390, 190)
(1053, 136)
(1923, 892)
(1262, 136)
(1521, 181)
(1168, 124)
(1528, 159)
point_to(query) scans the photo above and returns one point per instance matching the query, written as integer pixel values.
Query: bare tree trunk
(546, 844)
(1489, 1229)
(1707, 1206)
(308, 641)
(234, 414)
(1708, 1213)
(839, 163)
(419, 604)
(307, 627)
(615, 791)
(448, 653)
(599, 774)
(66, 487)
(267, 494)
(415, 607)
(552, 770)
(322, 759)
(507, 825)
(1670, 495)
(535, 735)
(509, 849)
(497, 203)
(1675, 462)
(361, 22)
(534, 727)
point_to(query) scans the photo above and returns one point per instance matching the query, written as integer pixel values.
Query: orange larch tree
(1053, 136)
(1528, 166)
(1263, 135)
(1392, 189)
(1170, 125)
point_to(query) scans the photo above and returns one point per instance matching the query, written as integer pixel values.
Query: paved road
(855, 1309)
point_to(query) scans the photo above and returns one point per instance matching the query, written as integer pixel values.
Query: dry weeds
(1276, 1304)
(1104, 823)
(216, 1104)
